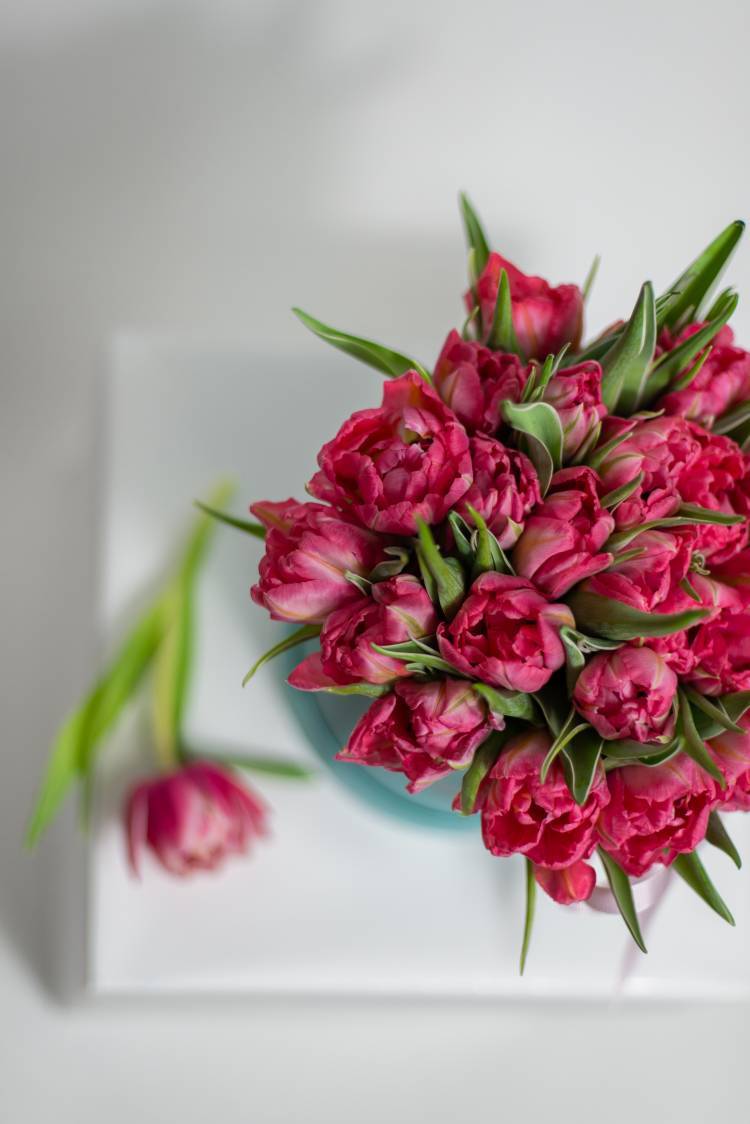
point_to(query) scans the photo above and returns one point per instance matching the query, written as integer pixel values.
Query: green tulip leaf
(484, 758)
(528, 923)
(732, 419)
(164, 633)
(369, 690)
(693, 744)
(247, 525)
(461, 537)
(566, 735)
(673, 363)
(692, 871)
(588, 284)
(712, 709)
(306, 632)
(79, 738)
(619, 884)
(502, 335)
(625, 366)
(691, 373)
(691, 514)
(598, 348)
(540, 423)
(488, 554)
(428, 580)
(616, 621)
(580, 759)
(625, 751)
(476, 239)
(614, 498)
(597, 457)
(735, 704)
(511, 704)
(446, 572)
(384, 359)
(592, 643)
(554, 703)
(696, 514)
(718, 836)
(255, 763)
(681, 303)
(174, 660)
(416, 660)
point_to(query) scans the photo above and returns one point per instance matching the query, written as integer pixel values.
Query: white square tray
(341, 899)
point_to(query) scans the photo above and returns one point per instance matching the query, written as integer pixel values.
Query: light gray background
(197, 168)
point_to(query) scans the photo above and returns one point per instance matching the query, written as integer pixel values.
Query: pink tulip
(475, 382)
(661, 449)
(731, 752)
(628, 693)
(576, 394)
(571, 884)
(722, 382)
(539, 819)
(721, 649)
(544, 318)
(656, 812)
(398, 610)
(677, 649)
(424, 730)
(562, 540)
(718, 480)
(506, 634)
(193, 818)
(651, 581)
(504, 491)
(389, 467)
(309, 550)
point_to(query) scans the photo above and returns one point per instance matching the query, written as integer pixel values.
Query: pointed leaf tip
(476, 239)
(692, 871)
(619, 884)
(384, 359)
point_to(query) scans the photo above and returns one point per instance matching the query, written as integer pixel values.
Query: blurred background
(194, 169)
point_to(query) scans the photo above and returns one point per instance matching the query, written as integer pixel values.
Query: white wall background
(199, 167)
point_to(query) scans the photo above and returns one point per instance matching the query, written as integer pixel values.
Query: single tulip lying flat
(534, 560)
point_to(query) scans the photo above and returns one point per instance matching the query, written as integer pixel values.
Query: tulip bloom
(404, 461)
(576, 394)
(424, 730)
(731, 752)
(721, 650)
(193, 818)
(661, 449)
(544, 318)
(563, 538)
(722, 382)
(504, 491)
(475, 381)
(539, 819)
(651, 581)
(506, 634)
(398, 610)
(628, 693)
(656, 812)
(309, 550)
(718, 480)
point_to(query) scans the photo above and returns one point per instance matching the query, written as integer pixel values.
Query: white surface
(201, 167)
(342, 899)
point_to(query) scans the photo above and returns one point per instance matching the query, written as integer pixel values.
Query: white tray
(343, 899)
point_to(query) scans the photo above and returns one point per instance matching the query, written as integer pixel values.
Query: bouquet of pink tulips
(533, 559)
